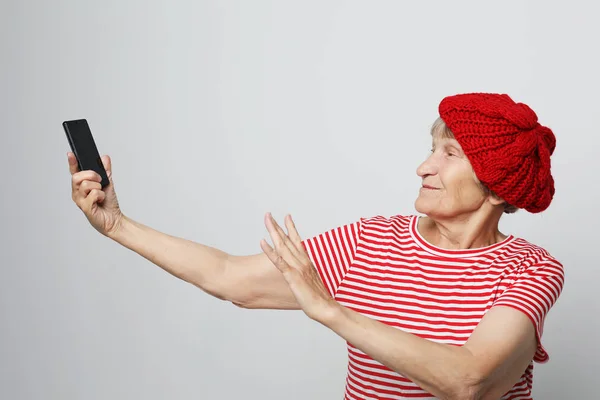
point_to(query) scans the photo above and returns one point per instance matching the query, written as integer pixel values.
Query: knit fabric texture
(506, 145)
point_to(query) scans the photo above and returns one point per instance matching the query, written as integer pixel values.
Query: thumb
(107, 164)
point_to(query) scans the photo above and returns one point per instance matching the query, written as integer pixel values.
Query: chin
(433, 209)
(422, 206)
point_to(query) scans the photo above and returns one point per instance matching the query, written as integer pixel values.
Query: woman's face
(449, 186)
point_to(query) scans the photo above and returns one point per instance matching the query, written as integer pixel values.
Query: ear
(494, 199)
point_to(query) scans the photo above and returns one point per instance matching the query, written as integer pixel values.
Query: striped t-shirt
(384, 269)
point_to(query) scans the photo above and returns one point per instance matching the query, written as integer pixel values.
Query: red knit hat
(507, 147)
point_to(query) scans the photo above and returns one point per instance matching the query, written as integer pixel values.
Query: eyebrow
(454, 147)
(448, 144)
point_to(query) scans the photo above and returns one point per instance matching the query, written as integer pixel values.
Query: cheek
(463, 184)
(470, 190)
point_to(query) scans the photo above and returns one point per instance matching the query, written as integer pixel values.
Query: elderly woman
(442, 305)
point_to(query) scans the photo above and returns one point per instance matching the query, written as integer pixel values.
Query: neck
(467, 231)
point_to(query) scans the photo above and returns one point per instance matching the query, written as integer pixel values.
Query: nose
(428, 167)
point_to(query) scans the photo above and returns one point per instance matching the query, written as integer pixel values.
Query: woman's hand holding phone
(100, 206)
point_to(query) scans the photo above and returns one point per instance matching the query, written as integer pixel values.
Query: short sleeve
(333, 252)
(534, 293)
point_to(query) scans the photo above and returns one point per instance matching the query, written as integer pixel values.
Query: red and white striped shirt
(384, 269)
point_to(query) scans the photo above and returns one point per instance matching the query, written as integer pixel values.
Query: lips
(429, 187)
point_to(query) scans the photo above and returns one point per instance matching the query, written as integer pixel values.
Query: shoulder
(534, 251)
(536, 259)
(379, 229)
(393, 220)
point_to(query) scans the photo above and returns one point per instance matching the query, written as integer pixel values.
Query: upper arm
(509, 336)
(254, 282)
(503, 345)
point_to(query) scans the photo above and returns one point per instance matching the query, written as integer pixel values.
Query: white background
(215, 112)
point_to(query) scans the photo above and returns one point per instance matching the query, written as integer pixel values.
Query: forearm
(200, 265)
(443, 370)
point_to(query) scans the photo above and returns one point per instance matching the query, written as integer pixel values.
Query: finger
(87, 186)
(274, 256)
(292, 231)
(295, 239)
(101, 196)
(282, 241)
(73, 167)
(87, 175)
(289, 241)
(79, 177)
(282, 233)
(276, 235)
(90, 200)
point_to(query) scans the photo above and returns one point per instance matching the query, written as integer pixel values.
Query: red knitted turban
(507, 147)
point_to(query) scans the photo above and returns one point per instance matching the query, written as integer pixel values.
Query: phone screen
(83, 145)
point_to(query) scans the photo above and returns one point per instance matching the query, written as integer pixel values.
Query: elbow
(472, 386)
(248, 302)
(465, 392)
(239, 304)
(212, 290)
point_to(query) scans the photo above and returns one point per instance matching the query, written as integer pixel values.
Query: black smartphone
(84, 147)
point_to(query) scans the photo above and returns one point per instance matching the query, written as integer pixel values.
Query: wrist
(331, 314)
(120, 229)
